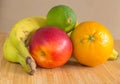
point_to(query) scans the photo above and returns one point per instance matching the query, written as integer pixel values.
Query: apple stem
(32, 65)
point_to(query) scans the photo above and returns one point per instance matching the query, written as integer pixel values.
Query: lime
(62, 16)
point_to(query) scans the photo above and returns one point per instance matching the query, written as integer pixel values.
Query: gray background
(106, 12)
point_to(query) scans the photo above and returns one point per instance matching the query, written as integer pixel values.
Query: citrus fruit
(92, 43)
(62, 16)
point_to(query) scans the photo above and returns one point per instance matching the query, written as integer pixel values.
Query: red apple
(50, 47)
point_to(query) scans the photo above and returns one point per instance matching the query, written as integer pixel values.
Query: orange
(62, 16)
(92, 43)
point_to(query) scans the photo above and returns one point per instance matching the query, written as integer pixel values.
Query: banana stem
(28, 64)
(31, 64)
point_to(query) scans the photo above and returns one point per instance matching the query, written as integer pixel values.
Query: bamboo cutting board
(70, 73)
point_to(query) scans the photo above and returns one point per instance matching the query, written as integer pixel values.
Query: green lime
(62, 16)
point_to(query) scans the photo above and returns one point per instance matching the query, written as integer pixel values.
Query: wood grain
(71, 73)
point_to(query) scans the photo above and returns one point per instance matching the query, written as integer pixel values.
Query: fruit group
(92, 43)
(62, 16)
(50, 47)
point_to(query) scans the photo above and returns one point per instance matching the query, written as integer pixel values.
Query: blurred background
(106, 12)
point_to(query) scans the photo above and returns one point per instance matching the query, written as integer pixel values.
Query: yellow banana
(19, 39)
(13, 55)
(114, 55)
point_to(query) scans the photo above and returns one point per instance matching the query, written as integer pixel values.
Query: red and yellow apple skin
(50, 47)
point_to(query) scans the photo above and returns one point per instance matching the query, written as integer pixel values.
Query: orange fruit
(62, 16)
(92, 43)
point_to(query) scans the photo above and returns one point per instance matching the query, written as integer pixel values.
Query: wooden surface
(70, 73)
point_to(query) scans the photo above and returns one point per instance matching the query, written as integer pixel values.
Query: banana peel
(16, 48)
(114, 55)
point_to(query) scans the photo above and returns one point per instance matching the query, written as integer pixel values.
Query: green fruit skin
(63, 17)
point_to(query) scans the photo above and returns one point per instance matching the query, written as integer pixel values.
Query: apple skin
(50, 47)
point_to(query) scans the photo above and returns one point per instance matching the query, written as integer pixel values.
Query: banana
(16, 45)
(114, 55)
(9, 51)
(12, 55)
